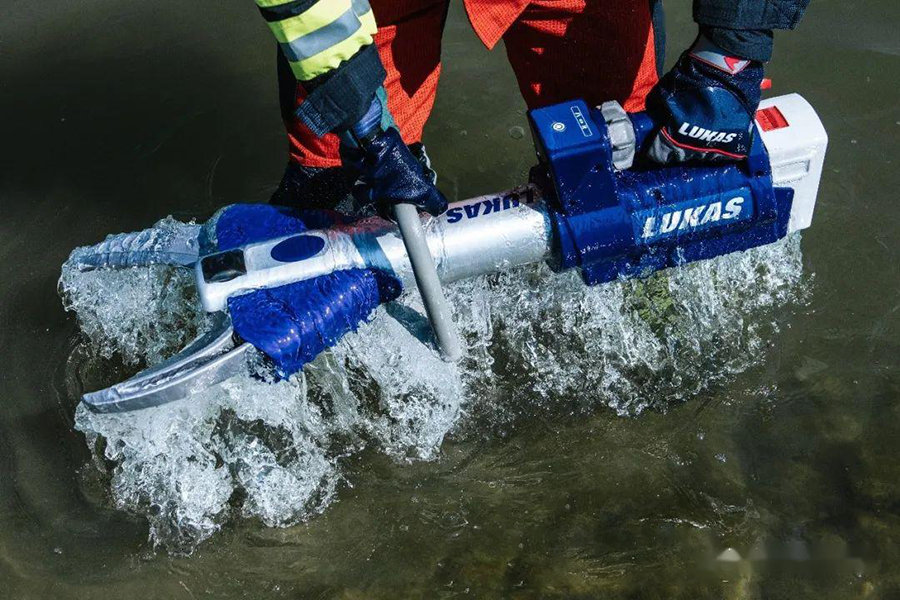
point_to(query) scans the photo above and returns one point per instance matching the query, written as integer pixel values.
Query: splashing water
(141, 314)
(538, 343)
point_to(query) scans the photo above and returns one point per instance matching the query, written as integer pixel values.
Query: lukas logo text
(692, 218)
(488, 206)
(706, 135)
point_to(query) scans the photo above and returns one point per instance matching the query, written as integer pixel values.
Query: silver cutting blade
(177, 245)
(210, 359)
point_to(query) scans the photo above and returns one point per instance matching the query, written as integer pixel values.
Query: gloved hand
(705, 105)
(389, 173)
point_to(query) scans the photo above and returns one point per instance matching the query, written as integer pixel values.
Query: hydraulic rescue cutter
(292, 282)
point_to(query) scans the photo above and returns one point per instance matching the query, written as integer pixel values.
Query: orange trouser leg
(597, 50)
(409, 42)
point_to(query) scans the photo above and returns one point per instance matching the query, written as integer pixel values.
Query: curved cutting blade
(210, 359)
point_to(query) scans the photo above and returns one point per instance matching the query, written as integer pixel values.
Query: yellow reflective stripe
(368, 22)
(322, 38)
(327, 60)
(319, 15)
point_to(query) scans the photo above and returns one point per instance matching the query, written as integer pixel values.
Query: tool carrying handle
(429, 285)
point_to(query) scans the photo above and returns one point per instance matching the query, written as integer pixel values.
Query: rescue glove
(705, 106)
(389, 172)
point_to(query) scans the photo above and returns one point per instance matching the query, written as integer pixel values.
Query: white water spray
(538, 343)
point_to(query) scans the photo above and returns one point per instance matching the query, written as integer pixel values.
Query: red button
(771, 118)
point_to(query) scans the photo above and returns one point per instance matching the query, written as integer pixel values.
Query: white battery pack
(796, 141)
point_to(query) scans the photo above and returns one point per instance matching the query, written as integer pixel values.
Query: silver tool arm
(427, 281)
(210, 359)
(169, 243)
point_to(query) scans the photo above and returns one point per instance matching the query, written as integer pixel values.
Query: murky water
(594, 443)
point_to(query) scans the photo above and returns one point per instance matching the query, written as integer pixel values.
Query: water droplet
(516, 132)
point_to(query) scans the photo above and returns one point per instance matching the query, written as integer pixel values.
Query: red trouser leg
(409, 42)
(597, 50)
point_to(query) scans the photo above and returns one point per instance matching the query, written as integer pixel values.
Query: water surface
(745, 403)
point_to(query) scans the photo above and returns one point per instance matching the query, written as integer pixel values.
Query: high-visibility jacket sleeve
(317, 36)
(744, 27)
(329, 45)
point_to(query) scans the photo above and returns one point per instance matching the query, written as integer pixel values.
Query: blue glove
(389, 173)
(705, 106)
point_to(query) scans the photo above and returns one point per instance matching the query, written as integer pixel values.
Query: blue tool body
(612, 223)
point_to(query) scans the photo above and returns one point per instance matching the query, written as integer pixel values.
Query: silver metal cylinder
(476, 236)
(480, 235)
